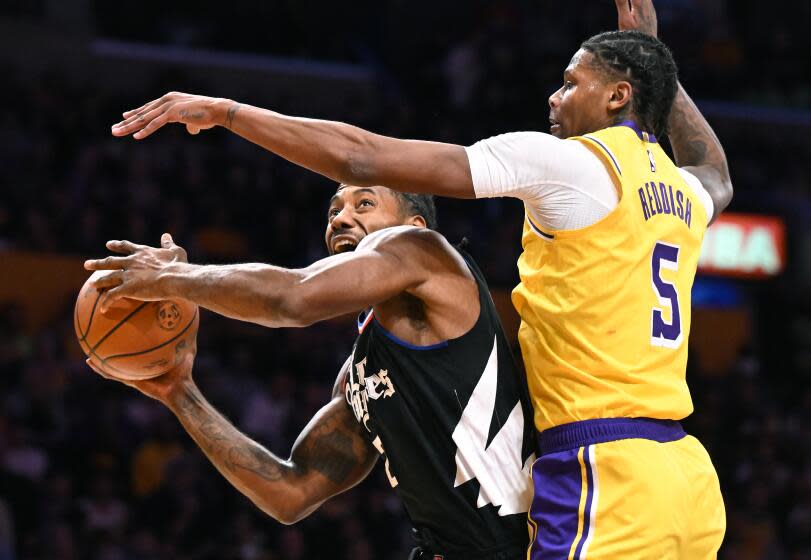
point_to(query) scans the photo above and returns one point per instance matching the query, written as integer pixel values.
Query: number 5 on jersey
(663, 333)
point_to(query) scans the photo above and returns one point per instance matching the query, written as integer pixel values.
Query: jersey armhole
(607, 159)
(339, 388)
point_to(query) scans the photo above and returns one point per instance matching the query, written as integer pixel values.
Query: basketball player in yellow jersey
(611, 240)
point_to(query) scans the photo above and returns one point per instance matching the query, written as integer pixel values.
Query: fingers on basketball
(110, 280)
(135, 340)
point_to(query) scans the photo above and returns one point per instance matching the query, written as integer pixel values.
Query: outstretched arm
(695, 145)
(273, 296)
(342, 152)
(330, 455)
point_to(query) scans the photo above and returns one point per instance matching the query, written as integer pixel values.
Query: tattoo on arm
(696, 145)
(331, 446)
(694, 142)
(254, 460)
(229, 116)
(227, 448)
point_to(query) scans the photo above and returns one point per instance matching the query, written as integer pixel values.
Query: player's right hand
(197, 112)
(165, 386)
(639, 15)
(138, 274)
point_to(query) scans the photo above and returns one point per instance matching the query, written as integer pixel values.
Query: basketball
(133, 339)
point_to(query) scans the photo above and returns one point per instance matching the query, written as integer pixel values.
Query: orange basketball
(133, 339)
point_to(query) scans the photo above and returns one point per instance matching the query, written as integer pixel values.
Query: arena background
(90, 469)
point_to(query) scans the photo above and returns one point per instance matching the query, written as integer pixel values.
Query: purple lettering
(650, 200)
(645, 210)
(665, 202)
(688, 215)
(680, 202)
(656, 198)
(672, 203)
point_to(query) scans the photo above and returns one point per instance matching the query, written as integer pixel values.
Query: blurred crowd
(723, 43)
(93, 470)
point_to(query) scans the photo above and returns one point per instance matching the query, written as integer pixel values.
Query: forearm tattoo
(331, 447)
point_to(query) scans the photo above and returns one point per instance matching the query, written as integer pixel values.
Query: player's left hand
(637, 14)
(138, 275)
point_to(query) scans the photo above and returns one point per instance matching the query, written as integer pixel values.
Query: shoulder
(404, 238)
(526, 143)
(422, 249)
(512, 145)
(519, 163)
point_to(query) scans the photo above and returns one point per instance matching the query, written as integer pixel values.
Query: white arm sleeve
(700, 191)
(563, 185)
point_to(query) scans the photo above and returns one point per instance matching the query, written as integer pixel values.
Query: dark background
(91, 469)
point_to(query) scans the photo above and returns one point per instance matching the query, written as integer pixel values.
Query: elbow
(287, 511)
(723, 193)
(289, 516)
(728, 192)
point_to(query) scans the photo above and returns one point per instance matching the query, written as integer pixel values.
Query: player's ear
(621, 95)
(417, 220)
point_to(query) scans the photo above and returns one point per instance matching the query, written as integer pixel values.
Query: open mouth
(343, 243)
(554, 126)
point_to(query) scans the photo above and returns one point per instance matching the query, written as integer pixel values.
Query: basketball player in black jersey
(430, 385)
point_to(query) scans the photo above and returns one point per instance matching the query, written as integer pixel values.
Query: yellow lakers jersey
(605, 310)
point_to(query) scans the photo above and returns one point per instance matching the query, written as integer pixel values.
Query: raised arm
(273, 296)
(342, 152)
(695, 145)
(330, 455)
(698, 150)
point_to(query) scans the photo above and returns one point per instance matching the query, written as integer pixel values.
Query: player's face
(355, 212)
(580, 106)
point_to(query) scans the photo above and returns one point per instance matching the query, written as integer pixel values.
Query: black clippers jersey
(453, 422)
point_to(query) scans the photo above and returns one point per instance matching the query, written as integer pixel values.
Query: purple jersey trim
(538, 230)
(558, 484)
(607, 151)
(589, 432)
(643, 135)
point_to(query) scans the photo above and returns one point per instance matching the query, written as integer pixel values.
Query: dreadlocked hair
(647, 64)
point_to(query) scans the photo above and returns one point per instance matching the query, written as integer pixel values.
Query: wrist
(226, 110)
(171, 281)
(178, 395)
